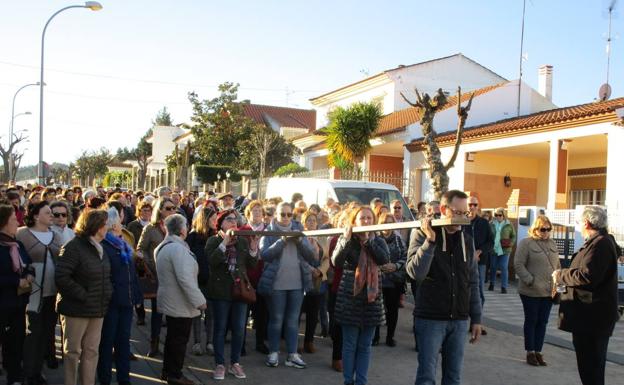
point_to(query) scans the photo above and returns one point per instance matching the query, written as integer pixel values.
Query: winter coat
(506, 232)
(534, 264)
(197, 244)
(151, 237)
(9, 279)
(590, 304)
(398, 256)
(83, 280)
(356, 310)
(178, 292)
(271, 248)
(126, 289)
(448, 277)
(220, 281)
(482, 237)
(136, 228)
(255, 273)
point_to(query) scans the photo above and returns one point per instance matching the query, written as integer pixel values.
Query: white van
(342, 191)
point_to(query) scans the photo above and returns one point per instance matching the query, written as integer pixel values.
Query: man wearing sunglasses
(483, 242)
(442, 262)
(59, 221)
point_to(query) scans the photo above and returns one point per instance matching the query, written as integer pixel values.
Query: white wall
(162, 142)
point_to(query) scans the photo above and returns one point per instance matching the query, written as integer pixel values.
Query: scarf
(230, 255)
(366, 274)
(16, 259)
(121, 245)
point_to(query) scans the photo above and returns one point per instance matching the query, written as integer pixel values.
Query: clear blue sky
(148, 54)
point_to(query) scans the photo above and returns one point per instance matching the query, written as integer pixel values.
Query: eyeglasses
(473, 204)
(459, 212)
(545, 229)
(231, 219)
(59, 215)
(284, 215)
(498, 215)
(169, 208)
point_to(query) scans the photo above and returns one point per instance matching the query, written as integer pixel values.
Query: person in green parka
(504, 240)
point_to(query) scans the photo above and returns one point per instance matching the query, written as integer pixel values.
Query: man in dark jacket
(442, 261)
(589, 304)
(483, 240)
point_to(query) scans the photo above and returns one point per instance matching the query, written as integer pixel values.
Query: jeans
(591, 356)
(155, 320)
(236, 312)
(115, 334)
(499, 262)
(450, 337)
(284, 308)
(482, 269)
(536, 313)
(178, 333)
(356, 353)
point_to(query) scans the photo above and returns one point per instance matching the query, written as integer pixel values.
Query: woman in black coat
(16, 277)
(359, 309)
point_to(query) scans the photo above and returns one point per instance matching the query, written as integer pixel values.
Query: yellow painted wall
(598, 159)
(500, 165)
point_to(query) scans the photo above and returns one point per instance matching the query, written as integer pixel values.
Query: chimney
(544, 81)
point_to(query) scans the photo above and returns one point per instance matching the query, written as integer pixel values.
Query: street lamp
(92, 5)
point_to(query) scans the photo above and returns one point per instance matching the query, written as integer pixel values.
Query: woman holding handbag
(536, 259)
(228, 288)
(504, 240)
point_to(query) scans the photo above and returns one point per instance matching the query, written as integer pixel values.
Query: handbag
(147, 281)
(242, 291)
(505, 243)
(555, 297)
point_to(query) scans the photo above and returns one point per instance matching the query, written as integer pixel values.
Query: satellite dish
(605, 92)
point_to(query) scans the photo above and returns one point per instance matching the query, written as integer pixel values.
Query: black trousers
(39, 332)
(178, 333)
(12, 330)
(311, 304)
(591, 356)
(392, 297)
(260, 314)
(334, 328)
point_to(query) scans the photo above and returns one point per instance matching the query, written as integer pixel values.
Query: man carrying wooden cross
(441, 260)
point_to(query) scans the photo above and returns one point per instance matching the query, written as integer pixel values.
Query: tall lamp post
(92, 5)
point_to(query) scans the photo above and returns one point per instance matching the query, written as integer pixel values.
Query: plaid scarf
(366, 274)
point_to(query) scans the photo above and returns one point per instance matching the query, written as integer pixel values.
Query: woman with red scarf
(359, 305)
(16, 278)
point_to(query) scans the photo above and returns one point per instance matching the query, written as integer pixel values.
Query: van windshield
(366, 195)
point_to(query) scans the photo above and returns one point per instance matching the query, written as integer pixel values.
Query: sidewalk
(504, 312)
(497, 359)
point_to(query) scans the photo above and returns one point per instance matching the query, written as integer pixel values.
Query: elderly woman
(84, 284)
(126, 294)
(179, 297)
(289, 263)
(537, 257)
(504, 240)
(152, 235)
(588, 307)
(16, 278)
(204, 227)
(229, 258)
(359, 308)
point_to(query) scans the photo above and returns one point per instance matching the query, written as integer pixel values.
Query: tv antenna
(605, 90)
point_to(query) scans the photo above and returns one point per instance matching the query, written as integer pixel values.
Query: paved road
(497, 359)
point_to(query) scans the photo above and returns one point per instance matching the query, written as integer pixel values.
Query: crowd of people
(90, 258)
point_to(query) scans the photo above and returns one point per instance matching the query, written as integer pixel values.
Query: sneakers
(272, 360)
(237, 371)
(294, 360)
(196, 349)
(210, 349)
(219, 373)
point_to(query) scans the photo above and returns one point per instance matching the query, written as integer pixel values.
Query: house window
(587, 197)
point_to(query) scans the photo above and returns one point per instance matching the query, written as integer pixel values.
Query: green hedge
(290, 168)
(208, 173)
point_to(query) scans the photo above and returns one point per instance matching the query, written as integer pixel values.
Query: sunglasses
(473, 204)
(169, 208)
(284, 215)
(59, 215)
(398, 208)
(498, 215)
(545, 229)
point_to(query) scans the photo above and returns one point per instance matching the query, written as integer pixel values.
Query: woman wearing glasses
(536, 259)
(504, 240)
(288, 266)
(152, 235)
(229, 259)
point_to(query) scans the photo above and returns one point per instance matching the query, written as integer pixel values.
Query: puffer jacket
(83, 280)
(534, 264)
(398, 256)
(126, 289)
(271, 248)
(356, 310)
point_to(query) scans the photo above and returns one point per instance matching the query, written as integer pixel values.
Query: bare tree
(8, 156)
(438, 171)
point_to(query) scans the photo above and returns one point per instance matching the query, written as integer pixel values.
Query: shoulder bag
(555, 297)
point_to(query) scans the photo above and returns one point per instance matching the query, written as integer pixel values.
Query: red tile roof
(285, 116)
(559, 118)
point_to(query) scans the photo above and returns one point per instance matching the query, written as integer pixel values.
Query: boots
(308, 347)
(337, 365)
(531, 359)
(154, 345)
(540, 359)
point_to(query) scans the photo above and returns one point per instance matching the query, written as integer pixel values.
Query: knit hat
(222, 215)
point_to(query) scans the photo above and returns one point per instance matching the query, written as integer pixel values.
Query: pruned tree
(140, 154)
(179, 161)
(438, 171)
(9, 156)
